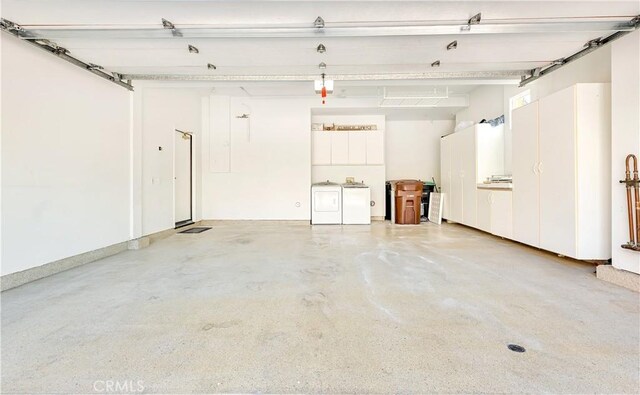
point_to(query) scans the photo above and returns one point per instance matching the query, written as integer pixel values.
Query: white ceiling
(297, 56)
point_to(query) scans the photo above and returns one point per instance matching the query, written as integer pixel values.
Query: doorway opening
(183, 178)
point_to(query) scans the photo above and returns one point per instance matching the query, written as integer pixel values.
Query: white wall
(270, 164)
(412, 148)
(159, 111)
(485, 102)
(65, 159)
(625, 117)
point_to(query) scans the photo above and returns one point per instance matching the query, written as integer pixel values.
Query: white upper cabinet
(357, 148)
(339, 148)
(375, 147)
(320, 148)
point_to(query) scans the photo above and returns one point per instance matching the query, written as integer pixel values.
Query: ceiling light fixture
(322, 66)
(211, 66)
(321, 48)
(474, 20)
(167, 25)
(193, 49)
(435, 64)
(452, 45)
(319, 23)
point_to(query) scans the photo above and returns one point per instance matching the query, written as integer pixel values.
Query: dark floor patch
(195, 230)
(516, 348)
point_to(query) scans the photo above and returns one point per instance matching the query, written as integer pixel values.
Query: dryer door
(326, 201)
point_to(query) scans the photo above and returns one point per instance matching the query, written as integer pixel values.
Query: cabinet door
(484, 210)
(455, 213)
(467, 156)
(375, 147)
(357, 148)
(445, 176)
(501, 210)
(558, 173)
(339, 148)
(526, 183)
(321, 148)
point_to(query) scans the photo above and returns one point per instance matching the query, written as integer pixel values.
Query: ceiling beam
(510, 75)
(329, 30)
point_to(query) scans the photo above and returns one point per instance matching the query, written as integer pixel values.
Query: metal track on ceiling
(507, 74)
(367, 29)
(62, 53)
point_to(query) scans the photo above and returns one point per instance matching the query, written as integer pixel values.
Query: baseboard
(13, 280)
(619, 277)
(17, 279)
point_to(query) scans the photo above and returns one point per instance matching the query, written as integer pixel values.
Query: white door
(526, 183)
(445, 176)
(484, 210)
(182, 179)
(321, 148)
(457, 163)
(357, 148)
(467, 155)
(558, 173)
(339, 148)
(501, 208)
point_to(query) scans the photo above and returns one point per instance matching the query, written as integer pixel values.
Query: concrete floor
(285, 307)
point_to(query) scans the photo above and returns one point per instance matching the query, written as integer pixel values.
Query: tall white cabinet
(561, 178)
(467, 158)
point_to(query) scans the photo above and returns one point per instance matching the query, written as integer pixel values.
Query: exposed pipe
(632, 184)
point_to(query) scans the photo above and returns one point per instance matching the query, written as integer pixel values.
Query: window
(517, 101)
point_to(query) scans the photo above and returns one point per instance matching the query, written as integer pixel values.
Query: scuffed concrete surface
(285, 307)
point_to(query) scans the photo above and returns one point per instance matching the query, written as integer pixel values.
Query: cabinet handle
(540, 168)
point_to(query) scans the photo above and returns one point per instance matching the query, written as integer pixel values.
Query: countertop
(497, 185)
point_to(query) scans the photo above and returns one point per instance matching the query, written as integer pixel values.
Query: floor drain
(516, 348)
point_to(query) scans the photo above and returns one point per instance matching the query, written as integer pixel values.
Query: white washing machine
(356, 204)
(326, 203)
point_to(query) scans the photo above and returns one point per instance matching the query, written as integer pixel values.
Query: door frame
(190, 220)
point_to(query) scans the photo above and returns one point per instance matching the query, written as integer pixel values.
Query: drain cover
(516, 348)
(195, 230)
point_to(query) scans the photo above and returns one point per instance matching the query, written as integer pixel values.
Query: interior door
(526, 182)
(558, 173)
(182, 179)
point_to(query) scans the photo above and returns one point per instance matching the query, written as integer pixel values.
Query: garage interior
(320, 196)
